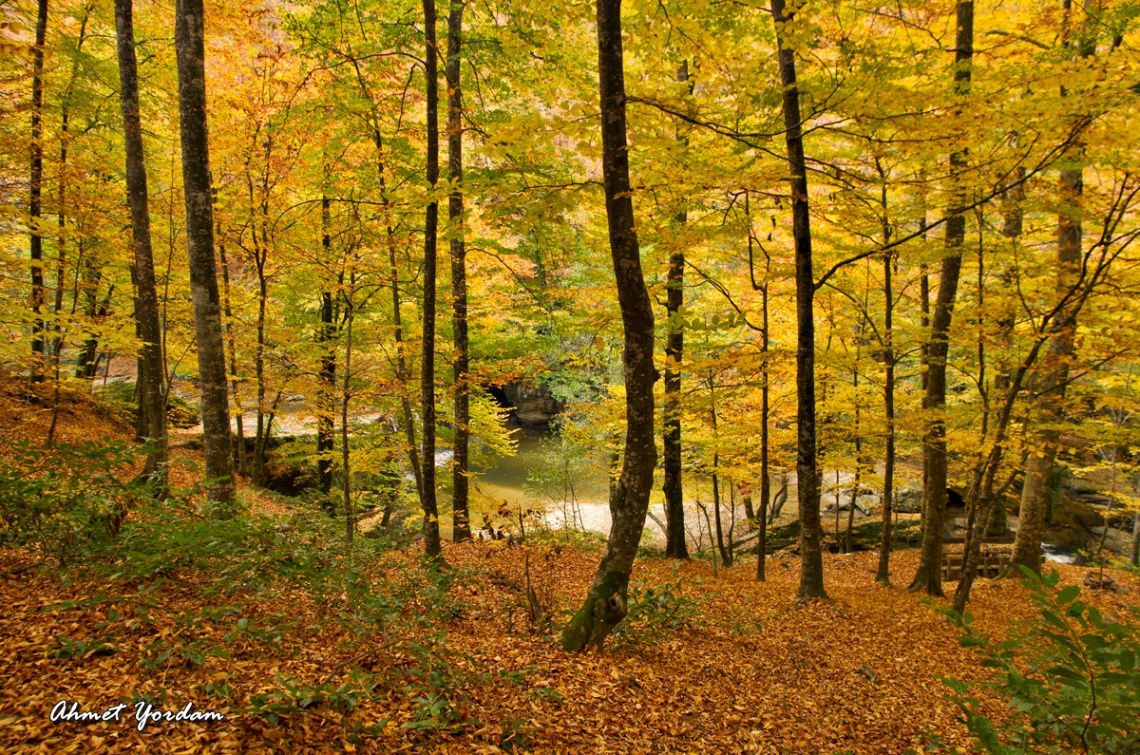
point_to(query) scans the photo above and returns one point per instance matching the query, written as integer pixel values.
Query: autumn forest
(675, 376)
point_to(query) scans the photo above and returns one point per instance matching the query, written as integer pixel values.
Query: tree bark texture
(811, 552)
(928, 578)
(460, 518)
(431, 227)
(672, 487)
(35, 207)
(605, 603)
(151, 373)
(190, 45)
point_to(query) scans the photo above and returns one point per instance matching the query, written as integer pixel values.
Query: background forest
(873, 260)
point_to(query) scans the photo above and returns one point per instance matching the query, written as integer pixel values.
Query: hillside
(305, 649)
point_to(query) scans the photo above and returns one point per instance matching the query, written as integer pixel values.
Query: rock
(534, 405)
(907, 501)
(1098, 582)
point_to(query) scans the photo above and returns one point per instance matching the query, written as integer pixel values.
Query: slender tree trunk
(725, 555)
(345, 457)
(190, 44)
(238, 440)
(765, 471)
(811, 551)
(675, 545)
(151, 375)
(849, 542)
(883, 574)
(325, 336)
(431, 223)
(928, 578)
(35, 208)
(407, 419)
(605, 603)
(261, 438)
(461, 521)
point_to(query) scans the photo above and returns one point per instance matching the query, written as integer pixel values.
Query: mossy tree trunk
(190, 44)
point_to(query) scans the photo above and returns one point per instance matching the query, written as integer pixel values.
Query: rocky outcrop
(532, 405)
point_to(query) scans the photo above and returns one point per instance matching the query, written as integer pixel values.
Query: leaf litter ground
(746, 672)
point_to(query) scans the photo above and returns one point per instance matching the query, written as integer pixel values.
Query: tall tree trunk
(190, 44)
(431, 223)
(605, 603)
(675, 545)
(811, 552)
(765, 472)
(765, 410)
(35, 208)
(345, 456)
(151, 373)
(849, 542)
(461, 521)
(1051, 391)
(883, 574)
(328, 366)
(929, 575)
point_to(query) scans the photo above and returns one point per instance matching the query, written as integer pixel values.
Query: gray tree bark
(190, 45)
(151, 373)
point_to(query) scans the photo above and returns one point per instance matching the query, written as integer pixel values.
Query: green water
(509, 479)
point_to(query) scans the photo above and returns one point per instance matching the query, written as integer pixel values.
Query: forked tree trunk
(460, 518)
(151, 373)
(431, 226)
(605, 603)
(811, 552)
(190, 44)
(928, 578)
(671, 487)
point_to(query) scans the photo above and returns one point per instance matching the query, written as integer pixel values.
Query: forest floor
(304, 648)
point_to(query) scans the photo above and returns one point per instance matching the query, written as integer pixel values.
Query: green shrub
(1070, 679)
(652, 612)
(66, 501)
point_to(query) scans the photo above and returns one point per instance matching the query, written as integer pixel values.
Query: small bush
(653, 612)
(1070, 679)
(67, 501)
